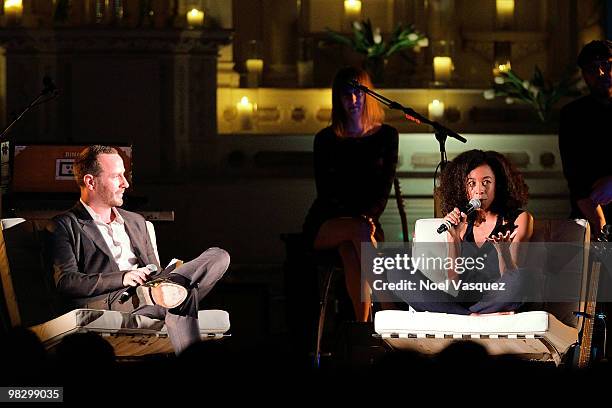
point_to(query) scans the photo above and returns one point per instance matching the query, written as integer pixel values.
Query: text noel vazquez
(405, 285)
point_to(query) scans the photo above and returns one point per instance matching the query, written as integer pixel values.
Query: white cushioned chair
(30, 300)
(545, 335)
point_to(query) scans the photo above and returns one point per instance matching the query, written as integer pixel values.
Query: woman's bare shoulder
(524, 218)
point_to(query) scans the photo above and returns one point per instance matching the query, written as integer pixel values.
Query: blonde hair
(372, 114)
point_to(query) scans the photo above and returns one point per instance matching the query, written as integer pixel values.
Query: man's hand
(602, 191)
(136, 277)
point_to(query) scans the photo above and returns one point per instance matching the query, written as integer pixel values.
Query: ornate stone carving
(115, 41)
(524, 44)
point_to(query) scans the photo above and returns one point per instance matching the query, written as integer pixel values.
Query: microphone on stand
(131, 290)
(353, 83)
(474, 204)
(48, 88)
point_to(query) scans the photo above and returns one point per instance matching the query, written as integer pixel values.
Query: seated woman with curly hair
(501, 189)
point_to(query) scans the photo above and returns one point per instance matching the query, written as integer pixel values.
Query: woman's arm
(454, 240)
(377, 205)
(322, 166)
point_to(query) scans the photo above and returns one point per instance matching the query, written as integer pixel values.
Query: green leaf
(514, 78)
(339, 38)
(396, 33)
(538, 78)
(368, 34)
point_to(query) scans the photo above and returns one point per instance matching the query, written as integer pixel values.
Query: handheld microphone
(48, 86)
(131, 290)
(474, 204)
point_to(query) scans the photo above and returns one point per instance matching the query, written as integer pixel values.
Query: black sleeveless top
(469, 249)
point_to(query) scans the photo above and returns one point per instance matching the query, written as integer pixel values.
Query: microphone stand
(441, 132)
(32, 104)
(49, 88)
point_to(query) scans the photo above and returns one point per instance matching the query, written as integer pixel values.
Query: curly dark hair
(511, 192)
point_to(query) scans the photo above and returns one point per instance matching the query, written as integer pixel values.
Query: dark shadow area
(361, 370)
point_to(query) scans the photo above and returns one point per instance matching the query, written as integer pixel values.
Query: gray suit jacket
(84, 271)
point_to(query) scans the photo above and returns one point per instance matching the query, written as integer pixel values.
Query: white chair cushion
(425, 230)
(135, 330)
(11, 222)
(524, 330)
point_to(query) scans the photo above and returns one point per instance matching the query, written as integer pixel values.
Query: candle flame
(353, 4)
(501, 68)
(13, 3)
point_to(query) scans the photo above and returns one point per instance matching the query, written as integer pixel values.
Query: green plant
(372, 45)
(541, 94)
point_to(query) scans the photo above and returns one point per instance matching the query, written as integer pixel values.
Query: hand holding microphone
(453, 219)
(133, 279)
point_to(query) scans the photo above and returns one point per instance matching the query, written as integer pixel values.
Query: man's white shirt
(116, 239)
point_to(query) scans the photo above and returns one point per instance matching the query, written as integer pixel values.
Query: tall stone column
(280, 33)
(221, 11)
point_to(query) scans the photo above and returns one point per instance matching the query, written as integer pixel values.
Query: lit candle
(435, 109)
(195, 18)
(245, 113)
(442, 68)
(505, 12)
(254, 65)
(254, 69)
(13, 9)
(352, 10)
(500, 67)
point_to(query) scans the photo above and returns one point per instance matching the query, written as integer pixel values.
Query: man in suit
(99, 250)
